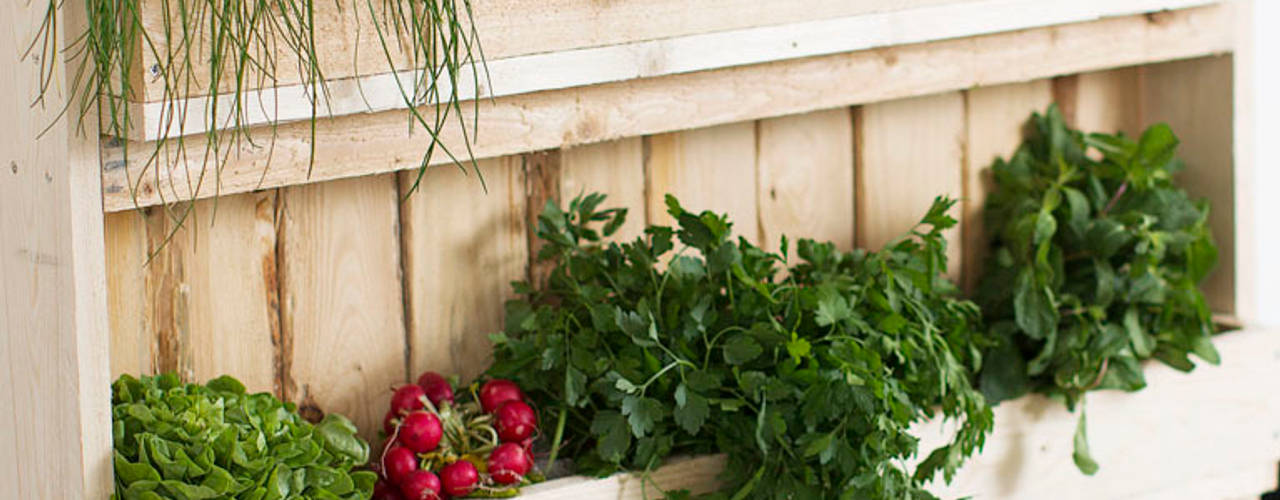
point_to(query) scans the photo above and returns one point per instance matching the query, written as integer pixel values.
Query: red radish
(509, 463)
(421, 485)
(386, 491)
(408, 398)
(514, 421)
(389, 423)
(436, 387)
(460, 478)
(498, 391)
(421, 432)
(398, 462)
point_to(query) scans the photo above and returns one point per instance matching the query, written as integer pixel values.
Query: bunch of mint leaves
(807, 375)
(214, 441)
(1094, 266)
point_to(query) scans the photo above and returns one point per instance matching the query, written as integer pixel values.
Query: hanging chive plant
(226, 49)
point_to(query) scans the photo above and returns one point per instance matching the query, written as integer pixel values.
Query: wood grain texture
(204, 305)
(542, 179)
(365, 144)
(696, 474)
(1195, 98)
(995, 119)
(806, 178)
(614, 168)
(910, 151)
(132, 338)
(343, 330)
(1193, 436)
(462, 248)
(55, 411)
(510, 28)
(646, 58)
(1110, 101)
(706, 169)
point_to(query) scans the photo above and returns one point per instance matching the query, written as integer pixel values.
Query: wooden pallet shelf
(830, 119)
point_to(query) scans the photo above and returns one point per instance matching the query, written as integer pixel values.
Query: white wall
(1266, 153)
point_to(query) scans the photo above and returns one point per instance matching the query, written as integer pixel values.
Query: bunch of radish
(439, 448)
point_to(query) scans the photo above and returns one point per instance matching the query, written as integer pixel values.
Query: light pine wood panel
(205, 304)
(1107, 101)
(706, 169)
(806, 178)
(910, 151)
(614, 168)
(996, 118)
(343, 330)
(363, 144)
(132, 338)
(462, 248)
(1195, 98)
(55, 409)
(1187, 436)
(509, 28)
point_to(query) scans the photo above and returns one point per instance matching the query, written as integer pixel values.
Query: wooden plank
(1195, 98)
(647, 58)
(697, 474)
(1256, 284)
(614, 168)
(462, 247)
(1176, 437)
(995, 118)
(132, 338)
(55, 410)
(512, 28)
(910, 151)
(206, 304)
(343, 337)
(806, 178)
(706, 169)
(365, 144)
(542, 186)
(1109, 101)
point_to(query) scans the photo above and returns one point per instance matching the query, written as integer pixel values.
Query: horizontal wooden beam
(365, 144)
(640, 59)
(1211, 433)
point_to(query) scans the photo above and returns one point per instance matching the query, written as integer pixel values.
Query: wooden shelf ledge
(644, 59)
(366, 144)
(1211, 434)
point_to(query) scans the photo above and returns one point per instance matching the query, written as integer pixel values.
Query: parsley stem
(555, 441)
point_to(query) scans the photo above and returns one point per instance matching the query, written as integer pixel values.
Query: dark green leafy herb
(189, 441)
(1095, 261)
(686, 341)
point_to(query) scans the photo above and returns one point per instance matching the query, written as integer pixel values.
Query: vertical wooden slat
(230, 290)
(1195, 97)
(541, 185)
(806, 178)
(132, 338)
(995, 118)
(909, 152)
(707, 169)
(462, 248)
(1104, 101)
(204, 305)
(342, 323)
(614, 168)
(55, 412)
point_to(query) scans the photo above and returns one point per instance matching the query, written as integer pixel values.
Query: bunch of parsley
(1095, 261)
(687, 341)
